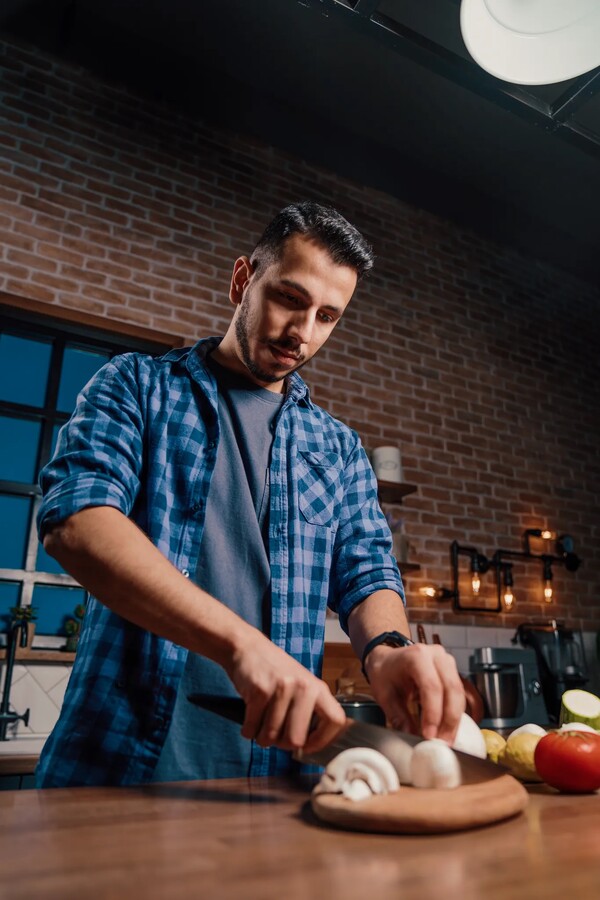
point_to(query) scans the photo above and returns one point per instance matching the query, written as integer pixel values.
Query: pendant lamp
(532, 41)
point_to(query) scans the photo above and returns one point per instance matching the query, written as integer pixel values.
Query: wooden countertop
(256, 839)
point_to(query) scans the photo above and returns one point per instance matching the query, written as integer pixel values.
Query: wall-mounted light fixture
(542, 533)
(481, 564)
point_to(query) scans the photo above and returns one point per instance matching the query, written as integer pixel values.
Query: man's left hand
(419, 689)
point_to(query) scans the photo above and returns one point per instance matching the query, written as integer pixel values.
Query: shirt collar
(297, 390)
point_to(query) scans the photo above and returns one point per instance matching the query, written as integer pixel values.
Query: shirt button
(185, 573)
(212, 445)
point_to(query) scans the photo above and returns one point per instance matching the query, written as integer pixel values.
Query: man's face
(287, 312)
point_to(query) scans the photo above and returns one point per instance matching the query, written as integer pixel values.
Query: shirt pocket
(320, 487)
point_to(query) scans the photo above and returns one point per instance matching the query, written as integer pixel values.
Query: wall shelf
(394, 491)
(406, 568)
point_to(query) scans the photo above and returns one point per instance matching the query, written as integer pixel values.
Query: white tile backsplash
(27, 694)
(333, 631)
(49, 676)
(482, 637)
(57, 693)
(39, 688)
(504, 638)
(451, 635)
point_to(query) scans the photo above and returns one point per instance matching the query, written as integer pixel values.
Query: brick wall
(480, 364)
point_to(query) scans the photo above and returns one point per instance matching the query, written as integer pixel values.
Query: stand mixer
(509, 682)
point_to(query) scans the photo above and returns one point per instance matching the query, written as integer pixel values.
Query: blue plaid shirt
(143, 439)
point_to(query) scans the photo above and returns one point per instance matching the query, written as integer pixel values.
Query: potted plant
(73, 628)
(26, 614)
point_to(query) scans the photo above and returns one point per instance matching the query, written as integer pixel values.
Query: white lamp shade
(532, 41)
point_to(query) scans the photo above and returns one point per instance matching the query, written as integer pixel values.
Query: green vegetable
(580, 706)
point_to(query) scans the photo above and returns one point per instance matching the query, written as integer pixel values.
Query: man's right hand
(283, 699)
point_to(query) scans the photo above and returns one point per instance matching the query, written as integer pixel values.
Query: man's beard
(241, 333)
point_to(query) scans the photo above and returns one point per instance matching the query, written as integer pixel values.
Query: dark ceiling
(382, 91)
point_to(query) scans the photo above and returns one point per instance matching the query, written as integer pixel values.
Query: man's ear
(242, 272)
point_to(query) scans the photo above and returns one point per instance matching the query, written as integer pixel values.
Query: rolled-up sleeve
(363, 561)
(99, 456)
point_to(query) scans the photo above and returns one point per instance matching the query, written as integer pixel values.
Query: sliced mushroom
(358, 773)
(469, 738)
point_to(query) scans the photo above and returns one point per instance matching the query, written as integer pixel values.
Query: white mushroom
(358, 773)
(469, 738)
(434, 764)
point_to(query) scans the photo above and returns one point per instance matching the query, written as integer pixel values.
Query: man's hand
(286, 706)
(419, 689)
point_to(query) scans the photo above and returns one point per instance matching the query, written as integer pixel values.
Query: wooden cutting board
(421, 811)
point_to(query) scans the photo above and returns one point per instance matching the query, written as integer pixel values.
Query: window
(43, 365)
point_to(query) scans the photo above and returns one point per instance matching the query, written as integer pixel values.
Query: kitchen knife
(395, 745)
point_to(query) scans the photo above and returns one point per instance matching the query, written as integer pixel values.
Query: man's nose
(301, 326)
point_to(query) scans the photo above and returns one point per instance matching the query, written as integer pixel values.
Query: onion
(577, 726)
(530, 728)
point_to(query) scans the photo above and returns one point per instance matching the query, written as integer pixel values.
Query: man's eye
(289, 297)
(325, 318)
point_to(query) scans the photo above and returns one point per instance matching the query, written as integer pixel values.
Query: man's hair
(344, 243)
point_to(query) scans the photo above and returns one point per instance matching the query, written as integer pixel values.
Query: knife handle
(232, 708)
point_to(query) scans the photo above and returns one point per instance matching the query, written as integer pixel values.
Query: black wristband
(391, 638)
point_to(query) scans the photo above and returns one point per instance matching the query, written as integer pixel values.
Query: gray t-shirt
(233, 566)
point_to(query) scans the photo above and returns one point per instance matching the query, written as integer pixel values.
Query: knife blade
(396, 745)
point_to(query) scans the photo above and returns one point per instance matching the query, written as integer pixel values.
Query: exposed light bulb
(438, 592)
(509, 597)
(475, 583)
(548, 580)
(547, 535)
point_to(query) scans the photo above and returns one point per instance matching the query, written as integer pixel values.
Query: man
(213, 511)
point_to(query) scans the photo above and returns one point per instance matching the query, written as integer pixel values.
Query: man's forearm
(382, 611)
(113, 559)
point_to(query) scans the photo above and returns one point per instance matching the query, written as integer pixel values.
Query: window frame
(35, 320)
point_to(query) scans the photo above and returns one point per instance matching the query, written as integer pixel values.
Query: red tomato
(569, 760)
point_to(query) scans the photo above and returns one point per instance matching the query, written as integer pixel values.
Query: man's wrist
(235, 639)
(393, 639)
